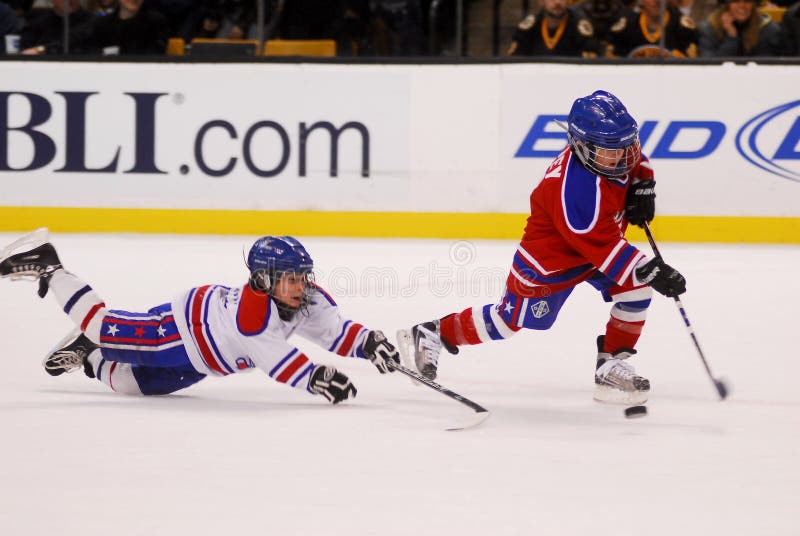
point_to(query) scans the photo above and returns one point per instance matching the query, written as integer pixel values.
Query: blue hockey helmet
(603, 135)
(272, 256)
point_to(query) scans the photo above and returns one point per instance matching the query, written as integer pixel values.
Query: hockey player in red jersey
(579, 212)
(211, 330)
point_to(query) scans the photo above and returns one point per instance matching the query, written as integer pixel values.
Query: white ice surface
(244, 455)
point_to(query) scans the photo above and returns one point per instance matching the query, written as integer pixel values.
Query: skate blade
(68, 338)
(476, 420)
(609, 395)
(31, 240)
(405, 345)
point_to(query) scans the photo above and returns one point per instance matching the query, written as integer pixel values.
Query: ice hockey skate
(616, 381)
(70, 354)
(423, 341)
(30, 257)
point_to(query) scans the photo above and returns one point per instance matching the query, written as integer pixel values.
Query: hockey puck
(634, 412)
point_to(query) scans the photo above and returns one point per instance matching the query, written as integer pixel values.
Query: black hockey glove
(662, 277)
(331, 383)
(640, 203)
(380, 351)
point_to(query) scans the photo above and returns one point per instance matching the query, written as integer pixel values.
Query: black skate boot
(72, 356)
(615, 380)
(425, 340)
(31, 257)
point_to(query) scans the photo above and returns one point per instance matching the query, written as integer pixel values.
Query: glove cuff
(635, 273)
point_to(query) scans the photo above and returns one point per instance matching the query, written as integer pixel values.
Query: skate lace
(616, 368)
(28, 268)
(31, 271)
(69, 361)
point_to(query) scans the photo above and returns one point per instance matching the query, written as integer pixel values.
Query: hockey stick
(481, 413)
(722, 389)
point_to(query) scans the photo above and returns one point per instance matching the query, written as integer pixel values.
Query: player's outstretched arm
(380, 351)
(327, 327)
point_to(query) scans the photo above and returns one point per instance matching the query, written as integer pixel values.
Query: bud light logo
(750, 141)
(768, 141)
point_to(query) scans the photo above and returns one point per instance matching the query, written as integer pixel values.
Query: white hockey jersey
(229, 330)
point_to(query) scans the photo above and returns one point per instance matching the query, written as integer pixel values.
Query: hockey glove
(662, 277)
(640, 203)
(380, 351)
(331, 383)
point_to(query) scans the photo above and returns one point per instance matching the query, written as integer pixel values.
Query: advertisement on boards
(723, 140)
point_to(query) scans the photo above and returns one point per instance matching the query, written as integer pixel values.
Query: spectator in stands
(239, 17)
(790, 25)
(348, 22)
(397, 26)
(556, 30)
(209, 24)
(131, 29)
(205, 21)
(638, 33)
(101, 8)
(44, 30)
(179, 13)
(737, 28)
(602, 14)
(352, 32)
(9, 24)
(697, 9)
(21, 9)
(309, 19)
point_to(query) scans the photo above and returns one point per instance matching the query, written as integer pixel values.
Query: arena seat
(775, 12)
(176, 46)
(224, 48)
(300, 47)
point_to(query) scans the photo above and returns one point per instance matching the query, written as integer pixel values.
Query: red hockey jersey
(576, 227)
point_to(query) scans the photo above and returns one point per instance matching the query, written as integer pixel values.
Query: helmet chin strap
(260, 281)
(286, 312)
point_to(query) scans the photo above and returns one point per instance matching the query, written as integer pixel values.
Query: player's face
(741, 9)
(607, 159)
(555, 8)
(290, 288)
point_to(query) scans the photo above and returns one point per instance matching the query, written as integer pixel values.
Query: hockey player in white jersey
(211, 330)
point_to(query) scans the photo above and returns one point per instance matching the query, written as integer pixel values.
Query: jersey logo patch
(619, 25)
(527, 22)
(243, 363)
(540, 308)
(555, 169)
(585, 28)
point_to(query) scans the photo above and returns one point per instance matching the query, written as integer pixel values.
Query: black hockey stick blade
(722, 389)
(475, 421)
(481, 413)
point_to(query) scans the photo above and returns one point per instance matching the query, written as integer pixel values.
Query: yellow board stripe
(732, 229)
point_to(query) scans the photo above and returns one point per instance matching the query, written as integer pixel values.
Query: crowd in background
(686, 28)
(587, 28)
